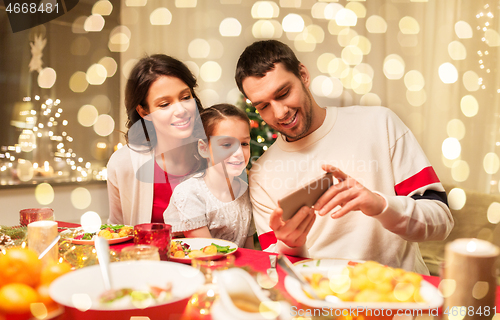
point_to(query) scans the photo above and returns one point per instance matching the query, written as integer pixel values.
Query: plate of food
(113, 233)
(184, 249)
(359, 284)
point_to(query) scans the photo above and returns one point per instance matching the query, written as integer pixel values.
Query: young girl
(216, 203)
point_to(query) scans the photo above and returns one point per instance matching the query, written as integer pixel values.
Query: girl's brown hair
(212, 116)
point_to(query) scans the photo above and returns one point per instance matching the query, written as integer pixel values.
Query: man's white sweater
(373, 146)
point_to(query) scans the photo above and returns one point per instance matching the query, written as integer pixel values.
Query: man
(388, 196)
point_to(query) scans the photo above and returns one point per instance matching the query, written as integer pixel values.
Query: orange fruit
(20, 265)
(53, 271)
(16, 298)
(44, 297)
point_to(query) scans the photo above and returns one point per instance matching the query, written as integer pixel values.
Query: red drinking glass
(156, 234)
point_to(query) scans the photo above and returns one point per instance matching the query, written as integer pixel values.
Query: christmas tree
(262, 136)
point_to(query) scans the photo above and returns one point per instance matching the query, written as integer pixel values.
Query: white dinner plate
(433, 299)
(200, 243)
(110, 241)
(91, 241)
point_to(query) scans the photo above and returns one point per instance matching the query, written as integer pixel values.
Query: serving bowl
(79, 291)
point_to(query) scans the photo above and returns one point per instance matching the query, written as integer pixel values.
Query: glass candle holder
(140, 252)
(27, 216)
(155, 234)
(208, 294)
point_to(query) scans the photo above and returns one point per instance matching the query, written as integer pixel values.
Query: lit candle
(474, 247)
(470, 265)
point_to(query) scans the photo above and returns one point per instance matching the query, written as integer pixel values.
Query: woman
(163, 129)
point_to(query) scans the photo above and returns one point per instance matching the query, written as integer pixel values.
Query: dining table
(257, 261)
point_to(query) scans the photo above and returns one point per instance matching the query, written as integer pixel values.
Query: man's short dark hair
(260, 58)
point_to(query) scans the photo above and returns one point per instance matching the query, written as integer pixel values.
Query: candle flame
(471, 246)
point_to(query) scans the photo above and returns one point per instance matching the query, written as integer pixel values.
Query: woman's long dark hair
(142, 76)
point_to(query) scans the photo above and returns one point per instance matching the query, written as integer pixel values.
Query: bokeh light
(370, 99)
(470, 80)
(47, 78)
(230, 27)
(44, 193)
(414, 80)
(457, 198)
(460, 171)
(376, 24)
(304, 42)
(216, 49)
(492, 38)
(346, 36)
(331, 10)
(469, 106)
(447, 287)
(110, 65)
(160, 17)
(94, 23)
(334, 29)
(323, 61)
(318, 10)
(456, 129)
(25, 170)
(346, 18)
(409, 25)
(394, 67)
(463, 30)
(210, 71)
(78, 82)
(102, 7)
(96, 74)
(193, 67)
(267, 29)
(352, 55)
(493, 213)
(362, 43)
(358, 8)
(337, 68)
(457, 50)
(78, 25)
(81, 198)
(198, 48)
(91, 222)
(87, 115)
(27, 140)
(209, 97)
(293, 22)
(448, 73)
(416, 98)
(265, 10)
(104, 125)
(451, 148)
(491, 163)
(316, 32)
(127, 67)
(101, 103)
(480, 289)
